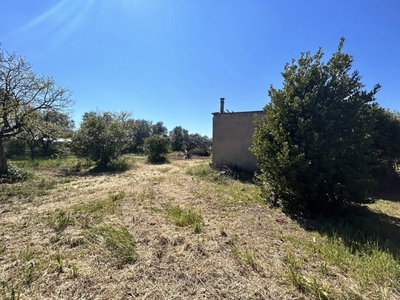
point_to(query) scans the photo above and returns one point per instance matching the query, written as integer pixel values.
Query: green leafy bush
(16, 174)
(101, 137)
(313, 146)
(385, 136)
(156, 149)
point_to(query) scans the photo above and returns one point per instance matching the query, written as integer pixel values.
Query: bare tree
(22, 94)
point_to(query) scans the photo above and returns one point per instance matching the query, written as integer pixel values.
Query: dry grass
(108, 236)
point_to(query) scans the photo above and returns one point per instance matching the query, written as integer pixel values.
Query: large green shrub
(100, 138)
(156, 149)
(15, 174)
(385, 136)
(313, 146)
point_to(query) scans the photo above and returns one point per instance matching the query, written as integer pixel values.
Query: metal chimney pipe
(221, 110)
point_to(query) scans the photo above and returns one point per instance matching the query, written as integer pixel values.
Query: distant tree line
(34, 121)
(103, 136)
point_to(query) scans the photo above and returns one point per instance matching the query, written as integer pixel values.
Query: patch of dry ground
(240, 253)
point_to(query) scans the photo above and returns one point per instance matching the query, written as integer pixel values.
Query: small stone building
(233, 137)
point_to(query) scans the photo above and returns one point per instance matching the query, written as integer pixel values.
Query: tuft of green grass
(305, 284)
(165, 169)
(185, 217)
(204, 171)
(94, 211)
(74, 271)
(59, 220)
(65, 180)
(159, 253)
(367, 262)
(248, 256)
(46, 184)
(118, 196)
(27, 255)
(236, 192)
(59, 262)
(26, 190)
(309, 285)
(364, 246)
(15, 295)
(96, 207)
(117, 239)
(147, 194)
(226, 189)
(197, 227)
(30, 272)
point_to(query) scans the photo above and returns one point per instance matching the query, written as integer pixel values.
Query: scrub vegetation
(185, 230)
(85, 215)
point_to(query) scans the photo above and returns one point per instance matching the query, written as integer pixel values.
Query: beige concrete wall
(232, 138)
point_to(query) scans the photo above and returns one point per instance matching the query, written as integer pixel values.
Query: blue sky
(171, 60)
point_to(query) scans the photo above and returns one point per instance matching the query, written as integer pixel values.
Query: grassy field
(183, 231)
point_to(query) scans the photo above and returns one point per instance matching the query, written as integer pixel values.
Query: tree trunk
(3, 159)
(32, 150)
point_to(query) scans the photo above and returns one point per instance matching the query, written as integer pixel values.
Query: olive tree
(159, 129)
(23, 93)
(141, 130)
(178, 138)
(44, 128)
(100, 137)
(313, 145)
(156, 148)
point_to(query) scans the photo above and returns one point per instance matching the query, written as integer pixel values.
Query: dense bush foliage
(15, 148)
(15, 174)
(385, 136)
(47, 134)
(100, 138)
(314, 145)
(180, 139)
(156, 149)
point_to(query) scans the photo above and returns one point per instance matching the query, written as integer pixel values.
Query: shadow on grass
(106, 169)
(89, 169)
(390, 194)
(158, 161)
(359, 228)
(388, 188)
(235, 172)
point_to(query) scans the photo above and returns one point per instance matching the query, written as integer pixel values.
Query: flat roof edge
(239, 112)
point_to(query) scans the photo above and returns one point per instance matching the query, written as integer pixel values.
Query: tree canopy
(101, 136)
(44, 128)
(23, 94)
(313, 146)
(156, 148)
(178, 138)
